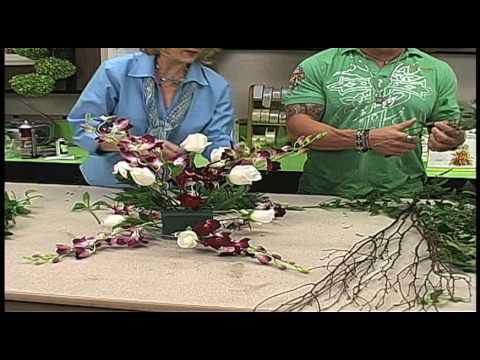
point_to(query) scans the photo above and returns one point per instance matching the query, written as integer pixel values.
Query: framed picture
(12, 59)
(110, 53)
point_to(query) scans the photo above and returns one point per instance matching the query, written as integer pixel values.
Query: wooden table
(162, 277)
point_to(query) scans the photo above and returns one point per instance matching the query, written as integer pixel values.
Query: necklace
(166, 79)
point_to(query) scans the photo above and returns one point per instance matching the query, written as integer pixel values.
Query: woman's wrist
(106, 148)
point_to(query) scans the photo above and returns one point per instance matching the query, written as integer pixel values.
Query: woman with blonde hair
(166, 92)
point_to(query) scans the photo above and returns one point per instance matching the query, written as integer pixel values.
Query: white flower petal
(244, 175)
(196, 143)
(187, 240)
(113, 220)
(143, 176)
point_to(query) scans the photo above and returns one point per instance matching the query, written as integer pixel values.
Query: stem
(95, 216)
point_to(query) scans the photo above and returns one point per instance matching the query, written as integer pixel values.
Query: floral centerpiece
(194, 205)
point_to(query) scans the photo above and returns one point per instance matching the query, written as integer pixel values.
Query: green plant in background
(14, 208)
(48, 70)
(468, 119)
(32, 53)
(33, 85)
(55, 68)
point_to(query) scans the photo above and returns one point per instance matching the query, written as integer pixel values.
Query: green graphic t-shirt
(358, 94)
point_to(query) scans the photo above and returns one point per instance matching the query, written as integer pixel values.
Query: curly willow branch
(373, 263)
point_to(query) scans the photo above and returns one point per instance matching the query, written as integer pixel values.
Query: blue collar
(145, 67)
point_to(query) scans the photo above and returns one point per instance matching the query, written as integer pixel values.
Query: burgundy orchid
(207, 228)
(123, 209)
(188, 177)
(63, 249)
(122, 124)
(218, 241)
(264, 259)
(280, 211)
(190, 201)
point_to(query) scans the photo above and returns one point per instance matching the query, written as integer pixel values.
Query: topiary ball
(32, 53)
(32, 85)
(55, 68)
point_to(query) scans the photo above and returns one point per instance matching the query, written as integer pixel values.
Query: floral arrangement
(194, 205)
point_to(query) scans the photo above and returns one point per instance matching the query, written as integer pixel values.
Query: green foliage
(86, 205)
(55, 68)
(468, 118)
(14, 208)
(32, 53)
(48, 69)
(32, 85)
(447, 216)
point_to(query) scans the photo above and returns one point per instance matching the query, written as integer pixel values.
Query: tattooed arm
(305, 119)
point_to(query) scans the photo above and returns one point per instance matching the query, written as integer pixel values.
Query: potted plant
(49, 68)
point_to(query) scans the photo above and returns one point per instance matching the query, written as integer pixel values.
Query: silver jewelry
(165, 79)
(411, 139)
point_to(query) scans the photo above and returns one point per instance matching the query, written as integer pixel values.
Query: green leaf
(99, 204)
(22, 211)
(79, 206)
(86, 199)
(435, 295)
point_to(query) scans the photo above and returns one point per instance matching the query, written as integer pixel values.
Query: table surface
(162, 277)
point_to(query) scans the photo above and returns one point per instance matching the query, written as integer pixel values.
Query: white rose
(122, 168)
(180, 161)
(244, 175)
(263, 216)
(216, 158)
(196, 143)
(143, 176)
(187, 240)
(113, 220)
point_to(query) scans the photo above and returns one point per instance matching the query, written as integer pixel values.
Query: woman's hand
(445, 138)
(393, 141)
(171, 151)
(105, 147)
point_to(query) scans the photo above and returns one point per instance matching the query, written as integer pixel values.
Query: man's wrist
(362, 141)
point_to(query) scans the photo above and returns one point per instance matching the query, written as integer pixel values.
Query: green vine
(14, 208)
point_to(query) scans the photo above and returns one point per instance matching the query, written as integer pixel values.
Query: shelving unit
(265, 112)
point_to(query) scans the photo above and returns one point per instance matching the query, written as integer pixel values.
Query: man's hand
(392, 141)
(445, 137)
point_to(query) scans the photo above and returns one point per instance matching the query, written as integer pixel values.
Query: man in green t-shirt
(373, 103)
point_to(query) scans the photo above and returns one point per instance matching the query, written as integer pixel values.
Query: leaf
(79, 206)
(86, 199)
(435, 295)
(98, 205)
(22, 211)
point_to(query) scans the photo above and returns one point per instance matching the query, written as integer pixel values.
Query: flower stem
(95, 216)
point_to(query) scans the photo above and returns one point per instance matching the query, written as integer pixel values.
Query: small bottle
(61, 147)
(28, 141)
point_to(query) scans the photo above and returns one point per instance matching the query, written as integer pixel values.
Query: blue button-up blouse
(118, 89)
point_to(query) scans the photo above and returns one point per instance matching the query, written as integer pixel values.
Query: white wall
(244, 68)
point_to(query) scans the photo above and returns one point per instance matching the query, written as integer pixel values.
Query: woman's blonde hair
(205, 57)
